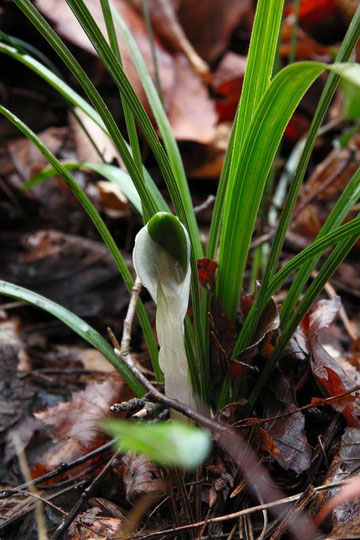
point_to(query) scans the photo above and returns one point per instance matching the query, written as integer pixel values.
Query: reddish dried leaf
(328, 371)
(209, 24)
(268, 444)
(75, 424)
(206, 272)
(227, 83)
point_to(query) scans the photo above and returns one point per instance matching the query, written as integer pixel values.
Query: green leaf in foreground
(82, 328)
(172, 444)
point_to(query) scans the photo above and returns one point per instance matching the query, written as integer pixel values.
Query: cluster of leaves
(265, 108)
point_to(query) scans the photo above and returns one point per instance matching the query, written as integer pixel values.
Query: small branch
(240, 513)
(86, 494)
(64, 467)
(208, 203)
(323, 402)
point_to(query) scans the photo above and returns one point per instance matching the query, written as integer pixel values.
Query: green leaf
(99, 224)
(173, 444)
(259, 66)
(76, 324)
(351, 100)
(327, 271)
(345, 51)
(110, 172)
(257, 154)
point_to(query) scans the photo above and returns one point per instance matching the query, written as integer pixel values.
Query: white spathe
(169, 287)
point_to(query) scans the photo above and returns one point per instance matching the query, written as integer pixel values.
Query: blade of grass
(74, 98)
(76, 324)
(185, 208)
(129, 117)
(327, 271)
(150, 206)
(349, 42)
(349, 197)
(341, 209)
(258, 151)
(259, 66)
(171, 165)
(319, 246)
(294, 31)
(150, 33)
(99, 224)
(110, 172)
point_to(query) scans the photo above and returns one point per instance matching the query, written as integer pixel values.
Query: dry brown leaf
(76, 423)
(209, 25)
(191, 111)
(140, 476)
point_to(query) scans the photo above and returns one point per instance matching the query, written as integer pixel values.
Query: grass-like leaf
(150, 206)
(174, 444)
(257, 154)
(82, 328)
(99, 224)
(172, 167)
(349, 42)
(328, 269)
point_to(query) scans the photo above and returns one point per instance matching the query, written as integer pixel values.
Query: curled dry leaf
(328, 371)
(141, 477)
(75, 424)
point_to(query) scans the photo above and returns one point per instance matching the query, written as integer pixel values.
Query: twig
(306, 497)
(239, 513)
(323, 186)
(64, 467)
(208, 203)
(21, 515)
(86, 494)
(226, 437)
(330, 291)
(324, 401)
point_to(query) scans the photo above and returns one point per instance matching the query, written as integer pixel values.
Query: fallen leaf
(288, 433)
(76, 272)
(75, 424)
(209, 25)
(140, 476)
(328, 372)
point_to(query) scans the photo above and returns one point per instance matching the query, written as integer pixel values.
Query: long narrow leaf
(349, 197)
(170, 164)
(82, 328)
(150, 206)
(259, 67)
(257, 154)
(343, 55)
(341, 209)
(110, 172)
(329, 268)
(99, 224)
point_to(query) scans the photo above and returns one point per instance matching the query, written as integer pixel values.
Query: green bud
(166, 230)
